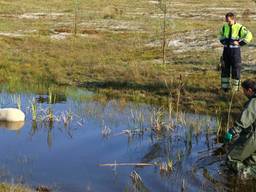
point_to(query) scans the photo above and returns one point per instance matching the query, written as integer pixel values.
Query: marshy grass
(46, 115)
(179, 89)
(166, 167)
(67, 117)
(229, 109)
(220, 130)
(34, 110)
(138, 125)
(137, 119)
(136, 178)
(137, 182)
(49, 115)
(105, 130)
(50, 97)
(5, 187)
(18, 102)
(157, 120)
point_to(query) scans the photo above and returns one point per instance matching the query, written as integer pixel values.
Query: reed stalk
(179, 89)
(229, 109)
(18, 102)
(34, 110)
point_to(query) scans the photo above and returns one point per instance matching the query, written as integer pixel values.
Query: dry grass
(15, 188)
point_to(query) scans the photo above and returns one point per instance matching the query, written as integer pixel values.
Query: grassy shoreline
(114, 49)
(5, 187)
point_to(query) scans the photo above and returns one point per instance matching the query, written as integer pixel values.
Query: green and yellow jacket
(237, 32)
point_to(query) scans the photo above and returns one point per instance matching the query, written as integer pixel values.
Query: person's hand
(236, 42)
(228, 137)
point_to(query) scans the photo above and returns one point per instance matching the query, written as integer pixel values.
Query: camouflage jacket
(245, 146)
(247, 120)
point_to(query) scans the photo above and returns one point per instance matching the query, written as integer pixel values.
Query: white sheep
(11, 115)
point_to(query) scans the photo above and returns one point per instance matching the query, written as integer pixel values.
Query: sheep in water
(11, 115)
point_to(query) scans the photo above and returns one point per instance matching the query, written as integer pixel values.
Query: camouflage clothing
(243, 150)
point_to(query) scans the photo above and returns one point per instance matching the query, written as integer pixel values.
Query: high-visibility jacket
(236, 32)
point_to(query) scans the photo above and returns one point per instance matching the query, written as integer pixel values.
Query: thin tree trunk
(75, 16)
(164, 37)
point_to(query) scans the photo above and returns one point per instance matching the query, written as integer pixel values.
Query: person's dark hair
(249, 83)
(231, 15)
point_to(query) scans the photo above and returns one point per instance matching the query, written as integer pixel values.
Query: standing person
(243, 151)
(232, 36)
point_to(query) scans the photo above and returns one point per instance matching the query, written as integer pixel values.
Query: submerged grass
(34, 110)
(115, 47)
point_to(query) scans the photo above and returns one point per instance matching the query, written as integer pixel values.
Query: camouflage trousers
(248, 165)
(242, 155)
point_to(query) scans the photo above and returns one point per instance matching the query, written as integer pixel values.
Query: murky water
(63, 148)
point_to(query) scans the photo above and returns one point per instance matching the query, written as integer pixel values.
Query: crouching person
(242, 154)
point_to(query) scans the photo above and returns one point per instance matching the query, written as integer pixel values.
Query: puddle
(60, 36)
(72, 134)
(12, 34)
(113, 25)
(63, 33)
(40, 15)
(154, 2)
(188, 41)
(19, 33)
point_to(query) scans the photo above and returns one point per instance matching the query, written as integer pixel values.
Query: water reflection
(52, 126)
(67, 139)
(56, 98)
(12, 126)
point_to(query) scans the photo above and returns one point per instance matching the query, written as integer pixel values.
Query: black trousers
(232, 59)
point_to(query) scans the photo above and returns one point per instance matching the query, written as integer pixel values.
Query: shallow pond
(69, 142)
